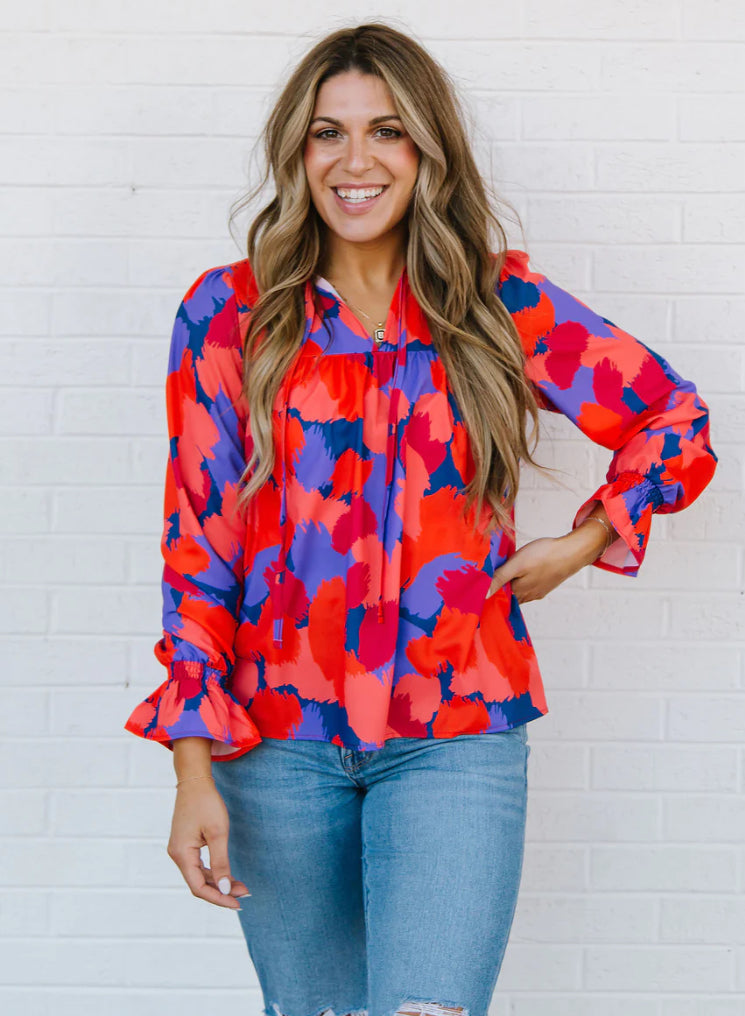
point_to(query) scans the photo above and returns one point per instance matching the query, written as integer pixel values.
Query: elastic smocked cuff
(630, 500)
(193, 702)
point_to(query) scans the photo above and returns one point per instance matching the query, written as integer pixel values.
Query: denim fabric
(378, 878)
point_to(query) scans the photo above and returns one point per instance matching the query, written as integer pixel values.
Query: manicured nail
(224, 885)
(243, 896)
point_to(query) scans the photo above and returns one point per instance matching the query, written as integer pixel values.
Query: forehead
(352, 95)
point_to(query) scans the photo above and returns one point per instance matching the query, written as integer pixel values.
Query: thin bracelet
(606, 527)
(187, 778)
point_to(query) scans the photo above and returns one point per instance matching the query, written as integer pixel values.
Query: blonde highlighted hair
(452, 263)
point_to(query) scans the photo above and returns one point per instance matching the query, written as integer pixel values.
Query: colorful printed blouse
(348, 603)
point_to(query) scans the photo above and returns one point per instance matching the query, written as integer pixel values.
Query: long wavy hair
(451, 262)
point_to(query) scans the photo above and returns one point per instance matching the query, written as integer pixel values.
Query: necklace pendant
(379, 335)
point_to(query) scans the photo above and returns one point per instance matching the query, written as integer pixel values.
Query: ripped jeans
(381, 882)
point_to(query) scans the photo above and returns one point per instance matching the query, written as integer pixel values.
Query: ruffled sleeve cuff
(193, 702)
(630, 501)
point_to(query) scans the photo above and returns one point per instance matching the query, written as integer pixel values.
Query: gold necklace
(379, 329)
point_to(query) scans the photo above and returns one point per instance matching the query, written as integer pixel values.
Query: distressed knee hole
(328, 1011)
(430, 1009)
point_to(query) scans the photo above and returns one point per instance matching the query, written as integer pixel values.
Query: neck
(375, 264)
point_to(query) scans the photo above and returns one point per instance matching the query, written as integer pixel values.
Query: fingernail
(243, 896)
(224, 885)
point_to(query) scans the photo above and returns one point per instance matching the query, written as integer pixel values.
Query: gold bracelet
(187, 778)
(606, 527)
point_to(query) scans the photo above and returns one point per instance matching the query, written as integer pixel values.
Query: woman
(349, 673)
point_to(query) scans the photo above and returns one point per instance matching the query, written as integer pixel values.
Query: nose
(357, 154)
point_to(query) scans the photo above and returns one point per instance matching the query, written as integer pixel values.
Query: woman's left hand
(540, 566)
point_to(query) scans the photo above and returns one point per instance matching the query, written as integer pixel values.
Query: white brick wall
(615, 127)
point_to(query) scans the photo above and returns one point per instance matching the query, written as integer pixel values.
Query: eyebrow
(338, 123)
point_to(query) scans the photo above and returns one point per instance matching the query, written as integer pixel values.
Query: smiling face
(356, 145)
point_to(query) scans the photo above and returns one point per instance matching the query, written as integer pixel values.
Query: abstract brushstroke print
(349, 602)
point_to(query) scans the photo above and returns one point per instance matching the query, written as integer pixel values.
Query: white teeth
(358, 194)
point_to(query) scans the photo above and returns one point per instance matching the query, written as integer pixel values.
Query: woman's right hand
(200, 819)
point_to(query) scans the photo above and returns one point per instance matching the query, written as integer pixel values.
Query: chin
(368, 236)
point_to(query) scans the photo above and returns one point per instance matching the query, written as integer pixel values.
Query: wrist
(192, 758)
(199, 782)
(588, 541)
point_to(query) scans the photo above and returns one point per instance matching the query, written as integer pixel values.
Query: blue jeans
(381, 881)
